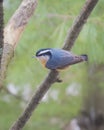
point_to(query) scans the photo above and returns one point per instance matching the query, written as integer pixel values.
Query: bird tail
(85, 57)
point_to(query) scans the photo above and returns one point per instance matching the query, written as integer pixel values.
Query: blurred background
(80, 96)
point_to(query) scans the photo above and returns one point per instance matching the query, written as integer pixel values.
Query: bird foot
(59, 80)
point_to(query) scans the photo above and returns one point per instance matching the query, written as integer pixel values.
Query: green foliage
(48, 28)
(9, 113)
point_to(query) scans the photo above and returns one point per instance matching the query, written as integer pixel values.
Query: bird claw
(59, 80)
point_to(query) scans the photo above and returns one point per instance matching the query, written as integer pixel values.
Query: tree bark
(1, 29)
(13, 31)
(53, 75)
(79, 23)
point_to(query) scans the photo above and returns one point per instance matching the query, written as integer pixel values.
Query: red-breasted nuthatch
(58, 59)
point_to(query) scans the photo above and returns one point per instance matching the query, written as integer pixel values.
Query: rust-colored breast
(42, 60)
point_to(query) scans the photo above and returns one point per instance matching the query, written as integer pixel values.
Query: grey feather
(60, 59)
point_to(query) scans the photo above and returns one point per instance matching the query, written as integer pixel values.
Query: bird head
(43, 55)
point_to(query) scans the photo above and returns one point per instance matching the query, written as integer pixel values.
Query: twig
(52, 76)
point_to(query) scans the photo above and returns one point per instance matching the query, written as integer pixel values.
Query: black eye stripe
(43, 52)
(48, 53)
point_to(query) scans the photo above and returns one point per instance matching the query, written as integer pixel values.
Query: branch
(1, 29)
(53, 75)
(43, 88)
(79, 23)
(13, 31)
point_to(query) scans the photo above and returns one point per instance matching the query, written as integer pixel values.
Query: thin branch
(13, 31)
(1, 29)
(43, 88)
(79, 23)
(53, 75)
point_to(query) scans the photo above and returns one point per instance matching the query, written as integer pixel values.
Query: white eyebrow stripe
(45, 51)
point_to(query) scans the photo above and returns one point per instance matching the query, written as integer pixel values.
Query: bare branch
(43, 88)
(1, 28)
(79, 23)
(13, 31)
(53, 75)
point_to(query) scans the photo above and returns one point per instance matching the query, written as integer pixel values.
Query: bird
(58, 59)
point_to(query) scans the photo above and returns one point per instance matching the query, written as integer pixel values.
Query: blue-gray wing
(60, 59)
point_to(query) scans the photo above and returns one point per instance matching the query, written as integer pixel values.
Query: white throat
(43, 58)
